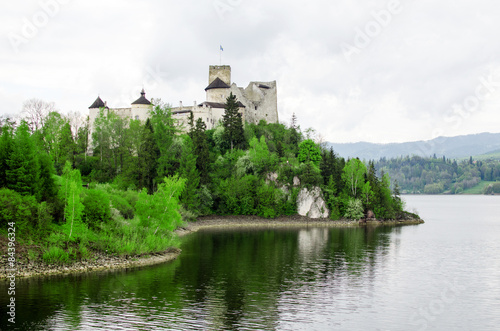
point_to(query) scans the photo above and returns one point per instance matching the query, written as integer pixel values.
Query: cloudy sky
(370, 70)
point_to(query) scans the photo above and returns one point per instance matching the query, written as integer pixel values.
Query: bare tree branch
(35, 111)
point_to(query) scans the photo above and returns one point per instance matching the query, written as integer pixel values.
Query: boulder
(370, 215)
(296, 181)
(310, 203)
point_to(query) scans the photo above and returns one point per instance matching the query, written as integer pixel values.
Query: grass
(478, 189)
(55, 254)
(119, 236)
(495, 155)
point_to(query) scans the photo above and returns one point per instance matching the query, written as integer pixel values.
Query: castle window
(255, 107)
(136, 117)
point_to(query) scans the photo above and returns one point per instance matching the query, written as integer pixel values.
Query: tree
(6, 149)
(354, 209)
(201, 149)
(353, 175)
(101, 144)
(259, 155)
(367, 193)
(147, 158)
(66, 146)
(309, 152)
(22, 173)
(188, 171)
(165, 129)
(76, 121)
(51, 135)
(73, 210)
(160, 211)
(232, 122)
(35, 111)
(46, 185)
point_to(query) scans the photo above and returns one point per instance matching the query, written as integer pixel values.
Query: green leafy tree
(66, 146)
(51, 133)
(73, 211)
(165, 130)
(101, 145)
(97, 208)
(354, 209)
(188, 171)
(353, 175)
(233, 124)
(160, 211)
(309, 152)
(367, 192)
(259, 155)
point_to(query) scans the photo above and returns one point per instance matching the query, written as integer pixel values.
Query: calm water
(442, 275)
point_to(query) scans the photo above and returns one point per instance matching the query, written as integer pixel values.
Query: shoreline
(242, 221)
(102, 261)
(99, 262)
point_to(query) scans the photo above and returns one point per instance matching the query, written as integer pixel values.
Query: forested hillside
(441, 175)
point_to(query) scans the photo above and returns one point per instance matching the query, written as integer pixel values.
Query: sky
(373, 70)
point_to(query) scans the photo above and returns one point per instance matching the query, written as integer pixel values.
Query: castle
(258, 101)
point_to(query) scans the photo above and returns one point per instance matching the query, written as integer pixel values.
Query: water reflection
(224, 279)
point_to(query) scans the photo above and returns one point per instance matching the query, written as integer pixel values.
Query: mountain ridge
(452, 147)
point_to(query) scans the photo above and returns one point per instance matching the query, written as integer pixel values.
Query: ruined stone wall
(260, 100)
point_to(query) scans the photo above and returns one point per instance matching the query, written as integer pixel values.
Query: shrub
(15, 207)
(97, 208)
(354, 209)
(122, 206)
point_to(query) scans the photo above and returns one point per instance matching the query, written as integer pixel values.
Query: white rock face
(312, 204)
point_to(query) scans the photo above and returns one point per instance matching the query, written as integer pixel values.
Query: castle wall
(218, 95)
(140, 112)
(223, 72)
(260, 99)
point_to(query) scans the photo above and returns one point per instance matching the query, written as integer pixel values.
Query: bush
(354, 209)
(122, 206)
(15, 207)
(97, 208)
(492, 189)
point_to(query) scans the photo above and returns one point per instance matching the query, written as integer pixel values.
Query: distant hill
(452, 147)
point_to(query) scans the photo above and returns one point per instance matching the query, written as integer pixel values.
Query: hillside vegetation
(143, 179)
(433, 175)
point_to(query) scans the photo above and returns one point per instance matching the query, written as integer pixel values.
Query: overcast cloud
(371, 70)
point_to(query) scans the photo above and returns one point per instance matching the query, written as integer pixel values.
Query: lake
(441, 275)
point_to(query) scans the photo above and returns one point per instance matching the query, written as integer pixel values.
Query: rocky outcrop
(310, 203)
